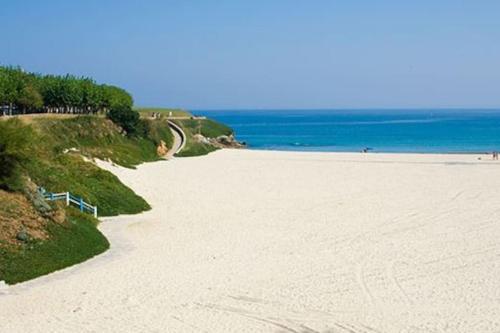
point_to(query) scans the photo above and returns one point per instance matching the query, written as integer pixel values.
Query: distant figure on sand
(495, 155)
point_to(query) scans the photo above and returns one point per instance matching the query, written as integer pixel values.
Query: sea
(403, 131)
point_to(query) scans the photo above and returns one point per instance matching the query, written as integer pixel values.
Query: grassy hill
(208, 128)
(49, 244)
(55, 152)
(59, 166)
(34, 242)
(66, 121)
(101, 138)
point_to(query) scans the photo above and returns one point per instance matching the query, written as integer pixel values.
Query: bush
(15, 141)
(127, 119)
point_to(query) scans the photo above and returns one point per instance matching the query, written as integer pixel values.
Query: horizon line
(494, 108)
(352, 109)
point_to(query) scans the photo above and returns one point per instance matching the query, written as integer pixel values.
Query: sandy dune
(248, 241)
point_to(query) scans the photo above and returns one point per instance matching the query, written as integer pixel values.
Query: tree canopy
(24, 92)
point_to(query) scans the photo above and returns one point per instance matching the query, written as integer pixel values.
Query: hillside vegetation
(63, 244)
(205, 127)
(57, 147)
(67, 122)
(101, 138)
(50, 153)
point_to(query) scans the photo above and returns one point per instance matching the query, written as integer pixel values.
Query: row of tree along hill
(23, 92)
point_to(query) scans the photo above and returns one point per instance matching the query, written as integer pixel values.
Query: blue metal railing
(70, 199)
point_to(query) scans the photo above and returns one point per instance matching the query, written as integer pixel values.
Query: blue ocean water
(424, 131)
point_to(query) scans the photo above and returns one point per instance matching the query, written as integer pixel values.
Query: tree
(91, 95)
(14, 83)
(29, 99)
(116, 97)
(3, 89)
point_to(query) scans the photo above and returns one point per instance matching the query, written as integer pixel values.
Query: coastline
(260, 241)
(386, 131)
(373, 152)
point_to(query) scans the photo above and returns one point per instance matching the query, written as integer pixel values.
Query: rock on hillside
(222, 141)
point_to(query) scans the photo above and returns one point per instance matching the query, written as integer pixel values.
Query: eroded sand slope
(247, 241)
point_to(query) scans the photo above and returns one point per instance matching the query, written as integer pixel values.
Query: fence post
(67, 198)
(81, 204)
(95, 211)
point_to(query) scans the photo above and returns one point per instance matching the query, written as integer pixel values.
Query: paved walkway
(179, 139)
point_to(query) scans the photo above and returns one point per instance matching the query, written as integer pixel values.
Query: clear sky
(264, 53)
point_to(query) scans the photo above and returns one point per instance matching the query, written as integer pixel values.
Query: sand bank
(250, 241)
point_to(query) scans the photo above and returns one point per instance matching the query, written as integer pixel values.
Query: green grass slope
(53, 153)
(58, 166)
(100, 138)
(70, 173)
(206, 127)
(68, 244)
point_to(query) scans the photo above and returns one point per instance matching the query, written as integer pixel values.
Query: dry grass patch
(17, 215)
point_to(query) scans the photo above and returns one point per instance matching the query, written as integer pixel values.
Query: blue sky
(267, 54)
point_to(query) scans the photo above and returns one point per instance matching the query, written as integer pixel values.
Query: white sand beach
(255, 241)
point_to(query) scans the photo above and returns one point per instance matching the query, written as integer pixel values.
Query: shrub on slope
(15, 139)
